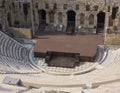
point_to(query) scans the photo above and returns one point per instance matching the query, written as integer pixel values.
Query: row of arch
(71, 16)
(82, 19)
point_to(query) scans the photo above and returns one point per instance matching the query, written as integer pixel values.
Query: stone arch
(60, 18)
(101, 20)
(42, 16)
(9, 19)
(51, 16)
(71, 18)
(82, 18)
(0, 26)
(91, 19)
(71, 15)
(110, 21)
(119, 21)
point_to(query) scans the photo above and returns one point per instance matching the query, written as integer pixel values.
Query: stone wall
(112, 39)
(56, 13)
(20, 32)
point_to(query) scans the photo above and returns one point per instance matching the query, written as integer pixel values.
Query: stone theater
(59, 46)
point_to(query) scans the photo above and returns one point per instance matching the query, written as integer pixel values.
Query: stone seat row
(105, 57)
(14, 56)
(58, 70)
(13, 65)
(100, 54)
(109, 58)
(11, 48)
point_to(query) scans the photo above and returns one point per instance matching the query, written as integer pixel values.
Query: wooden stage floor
(86, 45)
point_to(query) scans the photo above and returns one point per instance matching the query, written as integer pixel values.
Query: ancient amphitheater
(21, 72)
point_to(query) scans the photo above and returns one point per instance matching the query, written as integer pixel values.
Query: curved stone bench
(19, 57)
(106, 57)
(67, 71)
(15, 55)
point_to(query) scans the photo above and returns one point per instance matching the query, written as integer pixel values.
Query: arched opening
(51, 16)
(0, 26)
(82, 18)
(25, 10)
(71, 21)
(119, 21)
(42, 16)
(100, 21)
(60, 19)
(42, 19)
(9, 19)
(110, 21)
(91, 19)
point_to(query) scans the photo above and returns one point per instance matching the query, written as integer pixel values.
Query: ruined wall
(86, 12)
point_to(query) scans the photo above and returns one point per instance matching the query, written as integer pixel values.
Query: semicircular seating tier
(19, 58)
(109, 74)
(104, 56)
(14, 56)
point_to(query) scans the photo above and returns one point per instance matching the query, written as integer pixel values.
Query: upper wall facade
(82, 13)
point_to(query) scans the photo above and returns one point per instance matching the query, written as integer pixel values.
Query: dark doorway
(100, 21)
(0, 27)
(25, 10)
(42, 19)
(9, 19)
(42, 16)
(70, 22)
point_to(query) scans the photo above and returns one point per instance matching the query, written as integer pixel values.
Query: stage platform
(86, 45)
